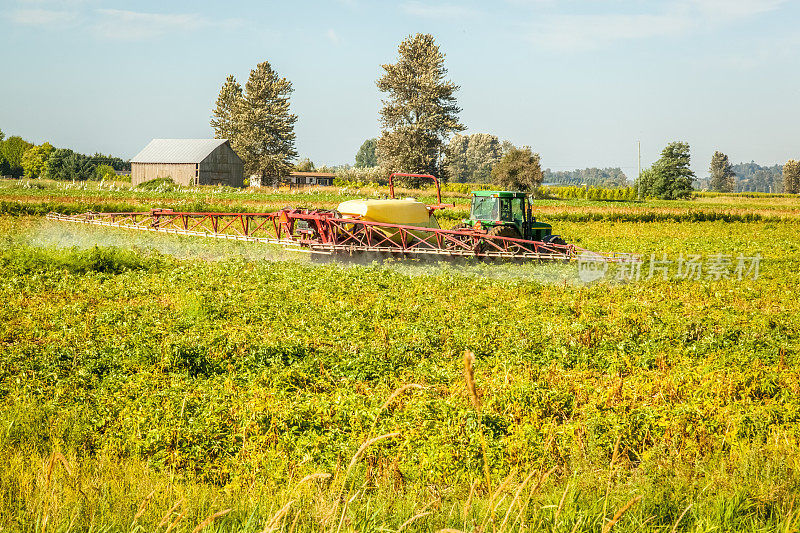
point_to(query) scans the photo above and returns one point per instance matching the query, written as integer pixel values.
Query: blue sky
(580, 81)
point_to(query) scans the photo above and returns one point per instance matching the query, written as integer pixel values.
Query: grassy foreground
(168, 384)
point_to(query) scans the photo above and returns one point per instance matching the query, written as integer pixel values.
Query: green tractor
(507, 214)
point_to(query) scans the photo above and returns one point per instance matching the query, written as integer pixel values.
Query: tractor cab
(506, 214)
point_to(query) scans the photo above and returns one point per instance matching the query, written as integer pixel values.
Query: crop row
(237, 377)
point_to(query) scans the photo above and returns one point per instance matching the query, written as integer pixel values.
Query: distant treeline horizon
(66, 164)
(750, 177)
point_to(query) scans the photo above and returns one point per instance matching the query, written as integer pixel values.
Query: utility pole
(639, 165)
(639, 147)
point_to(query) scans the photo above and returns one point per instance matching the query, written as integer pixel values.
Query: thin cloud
(71, 5)
(332, 36)
(136, 26)
(781, 48)
(108, 24)
(531, 3)
(736, 8)
(580, 32)
(438, 11)
(570, 32)
(42, 17)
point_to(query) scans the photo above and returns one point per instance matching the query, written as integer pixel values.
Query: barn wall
(182, 173)
(222, 167)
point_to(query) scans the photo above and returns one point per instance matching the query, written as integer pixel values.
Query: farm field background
(148, 382)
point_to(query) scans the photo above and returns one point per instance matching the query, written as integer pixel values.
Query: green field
(149, 382)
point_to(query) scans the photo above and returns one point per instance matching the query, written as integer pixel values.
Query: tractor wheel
(463, 238)
(555, 239)
(503, 231)
(552, 239)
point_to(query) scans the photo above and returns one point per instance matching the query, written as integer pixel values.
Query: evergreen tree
(55, 164)
(367, 155)
(79, 167)
(229, 104)
(791, 177)
(723, 179)
(114, 162)
(419, 112)
(258, 122)
(518, 170)
(64, 164)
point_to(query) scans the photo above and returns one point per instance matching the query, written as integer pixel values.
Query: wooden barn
(188, 162)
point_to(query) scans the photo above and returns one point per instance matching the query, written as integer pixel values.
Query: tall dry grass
(65, 492)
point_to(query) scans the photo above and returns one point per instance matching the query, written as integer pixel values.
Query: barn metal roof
(177, 150)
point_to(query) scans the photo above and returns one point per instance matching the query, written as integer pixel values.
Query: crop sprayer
(501, 226)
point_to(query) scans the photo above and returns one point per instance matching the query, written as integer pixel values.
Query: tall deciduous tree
(104, 172)
(367, 155)
(34, 160)
(13, 149)
(470, 158)
(644, 183)
(518, 170)
(419, 112)
(791, 177)
(723, 179)
(258, 121)
(456, 158)
(305, 165)
(670, 177)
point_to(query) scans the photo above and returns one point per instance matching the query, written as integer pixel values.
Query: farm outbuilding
(294, 179)
(311, 178)
(188, 162)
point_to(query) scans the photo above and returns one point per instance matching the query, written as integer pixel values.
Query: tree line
(20, 158)
(419, 115)
(752, 177)
(421, 134)
(670, 177)
(608, 178)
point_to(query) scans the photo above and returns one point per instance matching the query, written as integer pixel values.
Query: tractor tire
(555, 239)
(459, 227)
(504, 231)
